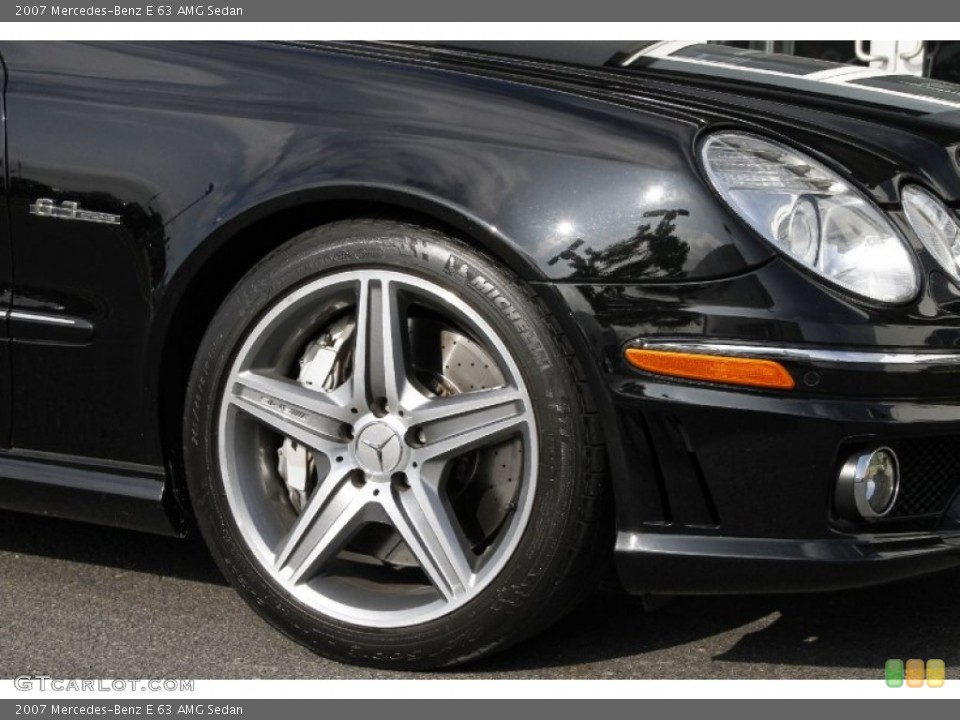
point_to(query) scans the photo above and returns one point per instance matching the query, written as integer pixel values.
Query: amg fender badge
(70, 210)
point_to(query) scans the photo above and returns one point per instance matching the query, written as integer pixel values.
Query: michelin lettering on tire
(461, 269)
(498, 352)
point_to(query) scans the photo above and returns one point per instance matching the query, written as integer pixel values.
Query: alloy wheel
(378, 448)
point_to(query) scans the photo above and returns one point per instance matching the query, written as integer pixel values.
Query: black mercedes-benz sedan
(421, 337)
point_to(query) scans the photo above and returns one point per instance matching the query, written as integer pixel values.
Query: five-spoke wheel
(389, 452)
(383, 444)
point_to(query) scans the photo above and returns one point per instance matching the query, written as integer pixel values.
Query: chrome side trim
(41, 318)
(47, 327)
(819, 355)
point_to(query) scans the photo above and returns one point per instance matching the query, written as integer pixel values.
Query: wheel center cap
(379, 448)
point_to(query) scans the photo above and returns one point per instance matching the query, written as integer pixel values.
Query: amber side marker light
(712, 368)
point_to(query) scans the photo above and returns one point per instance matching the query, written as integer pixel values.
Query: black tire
(565, 545)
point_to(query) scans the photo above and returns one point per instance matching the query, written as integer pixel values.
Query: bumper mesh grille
(929, 474)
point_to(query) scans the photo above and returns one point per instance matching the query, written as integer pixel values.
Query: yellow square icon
(914, 673)
(936, 672)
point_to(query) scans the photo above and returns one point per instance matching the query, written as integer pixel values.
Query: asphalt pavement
(80, 601)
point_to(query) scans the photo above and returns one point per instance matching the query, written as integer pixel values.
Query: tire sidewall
(511, 605)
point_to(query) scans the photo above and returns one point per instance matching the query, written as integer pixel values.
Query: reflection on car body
(420, 335)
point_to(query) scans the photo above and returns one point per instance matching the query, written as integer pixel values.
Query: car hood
(881, 129)
(848, 84)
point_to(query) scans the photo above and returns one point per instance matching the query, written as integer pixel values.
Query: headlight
(812, 214)
(936, 227)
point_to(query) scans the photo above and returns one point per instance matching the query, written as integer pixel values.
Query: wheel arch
(224, 256)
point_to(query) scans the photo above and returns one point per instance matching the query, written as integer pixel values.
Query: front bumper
(733, 490)
(729, 489)
(698, 564)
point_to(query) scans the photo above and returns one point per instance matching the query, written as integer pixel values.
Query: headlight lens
(936, 227)
(809, 212)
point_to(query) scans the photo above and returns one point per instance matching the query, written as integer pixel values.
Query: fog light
(868, 484)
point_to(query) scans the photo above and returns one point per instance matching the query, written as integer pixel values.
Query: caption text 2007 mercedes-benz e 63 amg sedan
(423, 338)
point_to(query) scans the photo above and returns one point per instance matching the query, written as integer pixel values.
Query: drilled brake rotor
(482, 485)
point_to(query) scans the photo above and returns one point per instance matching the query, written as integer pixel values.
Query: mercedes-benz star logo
(378, 448)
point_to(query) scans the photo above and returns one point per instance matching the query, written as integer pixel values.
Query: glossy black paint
(678, 565)
(582, 179)
(118, 494)
(206, 140)
(6, 271)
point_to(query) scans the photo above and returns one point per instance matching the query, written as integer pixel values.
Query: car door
(89, 248)
(6, 277)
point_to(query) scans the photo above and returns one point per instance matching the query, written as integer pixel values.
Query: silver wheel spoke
(379, 370)
(290, 409)
(349, 499)
(455, 425)
(469, 408)
(420, 518)
(336, 508)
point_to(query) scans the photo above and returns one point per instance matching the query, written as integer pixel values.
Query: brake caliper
(322, 368)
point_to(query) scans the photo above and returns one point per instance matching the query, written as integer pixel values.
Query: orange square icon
(914, 673)
(936, 672)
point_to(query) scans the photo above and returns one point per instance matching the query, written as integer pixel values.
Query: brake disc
(482, 485)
